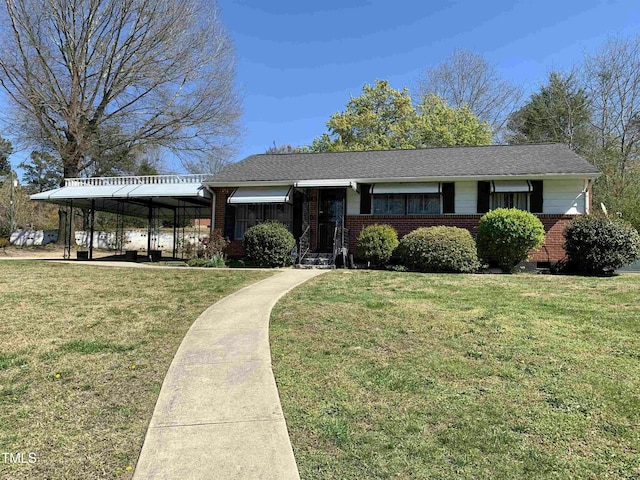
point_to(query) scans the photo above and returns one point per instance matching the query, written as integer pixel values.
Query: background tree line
(594, 108)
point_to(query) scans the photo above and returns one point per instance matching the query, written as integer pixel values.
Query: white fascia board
(43, 196)
(288, 183)
(168, 190)
(325, 182)
(258, 183)
(88, 192)
(459, 178)
(546, 176)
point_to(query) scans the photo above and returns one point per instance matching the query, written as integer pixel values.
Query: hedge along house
(326, 199)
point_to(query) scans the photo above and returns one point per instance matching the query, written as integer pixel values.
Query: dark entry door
(330, 210)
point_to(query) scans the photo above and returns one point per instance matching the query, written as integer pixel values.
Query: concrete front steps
(316, 260)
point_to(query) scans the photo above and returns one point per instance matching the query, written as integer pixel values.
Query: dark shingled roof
(483, 161)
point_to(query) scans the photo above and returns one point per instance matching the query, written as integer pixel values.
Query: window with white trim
(406, 204)
(423, 204)
(519, 200)
(389, 204)
(510, 194)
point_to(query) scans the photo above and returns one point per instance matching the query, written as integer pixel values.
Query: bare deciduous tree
(466, 78)
(90, 77)
(612, 78)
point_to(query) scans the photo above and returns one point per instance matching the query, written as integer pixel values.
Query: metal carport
(154, 197)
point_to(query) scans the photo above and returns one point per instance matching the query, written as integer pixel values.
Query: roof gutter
(251, 183)
(329, 181)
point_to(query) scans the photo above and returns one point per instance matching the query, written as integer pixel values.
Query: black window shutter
(484, 194)
(535, 201)
(449, 197)
(230, 222)
(365, 199)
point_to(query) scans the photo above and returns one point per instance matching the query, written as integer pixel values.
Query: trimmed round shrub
(439, 249)
(505, 236)
(597, 245)
(376, 244)
(268, 244)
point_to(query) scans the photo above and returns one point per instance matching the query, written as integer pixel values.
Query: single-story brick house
(318, 194)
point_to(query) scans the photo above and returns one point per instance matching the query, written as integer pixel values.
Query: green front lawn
(399, 375)
(83, 353)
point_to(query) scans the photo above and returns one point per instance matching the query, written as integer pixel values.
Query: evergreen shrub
(439, 249)
(506, 235)
(269, 244)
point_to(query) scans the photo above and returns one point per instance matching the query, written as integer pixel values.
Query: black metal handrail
(304, 243)
(338, 240)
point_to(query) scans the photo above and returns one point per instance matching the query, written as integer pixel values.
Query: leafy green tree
(383, 118)
(560, 112)
(324, 143)
(43, 171)
(440, 125)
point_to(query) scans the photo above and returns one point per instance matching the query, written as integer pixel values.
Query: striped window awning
(335, 182)
(390, 188)
(511, 186)
(277, 194)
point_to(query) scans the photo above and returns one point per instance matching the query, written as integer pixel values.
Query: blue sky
(299, 61)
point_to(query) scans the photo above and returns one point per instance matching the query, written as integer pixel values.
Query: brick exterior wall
(552, 250)
(234, 249)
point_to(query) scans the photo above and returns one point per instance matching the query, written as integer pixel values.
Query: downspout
(587, 197)
(92, 218)
(214, 198)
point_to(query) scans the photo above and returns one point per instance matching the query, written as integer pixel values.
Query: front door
(330, 211)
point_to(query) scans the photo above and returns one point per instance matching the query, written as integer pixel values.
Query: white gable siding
(353, 202)
(466, 198)
(564, 197)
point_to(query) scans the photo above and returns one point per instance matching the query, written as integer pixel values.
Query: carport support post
(68, 228)
(175, 233)
(150, 221)
(92, 217)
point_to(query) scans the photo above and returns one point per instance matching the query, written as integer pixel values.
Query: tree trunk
(66, 228)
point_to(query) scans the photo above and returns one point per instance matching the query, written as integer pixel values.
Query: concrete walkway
(218, 415)
(123, 264)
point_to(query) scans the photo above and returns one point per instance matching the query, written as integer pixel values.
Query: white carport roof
(134, 195)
